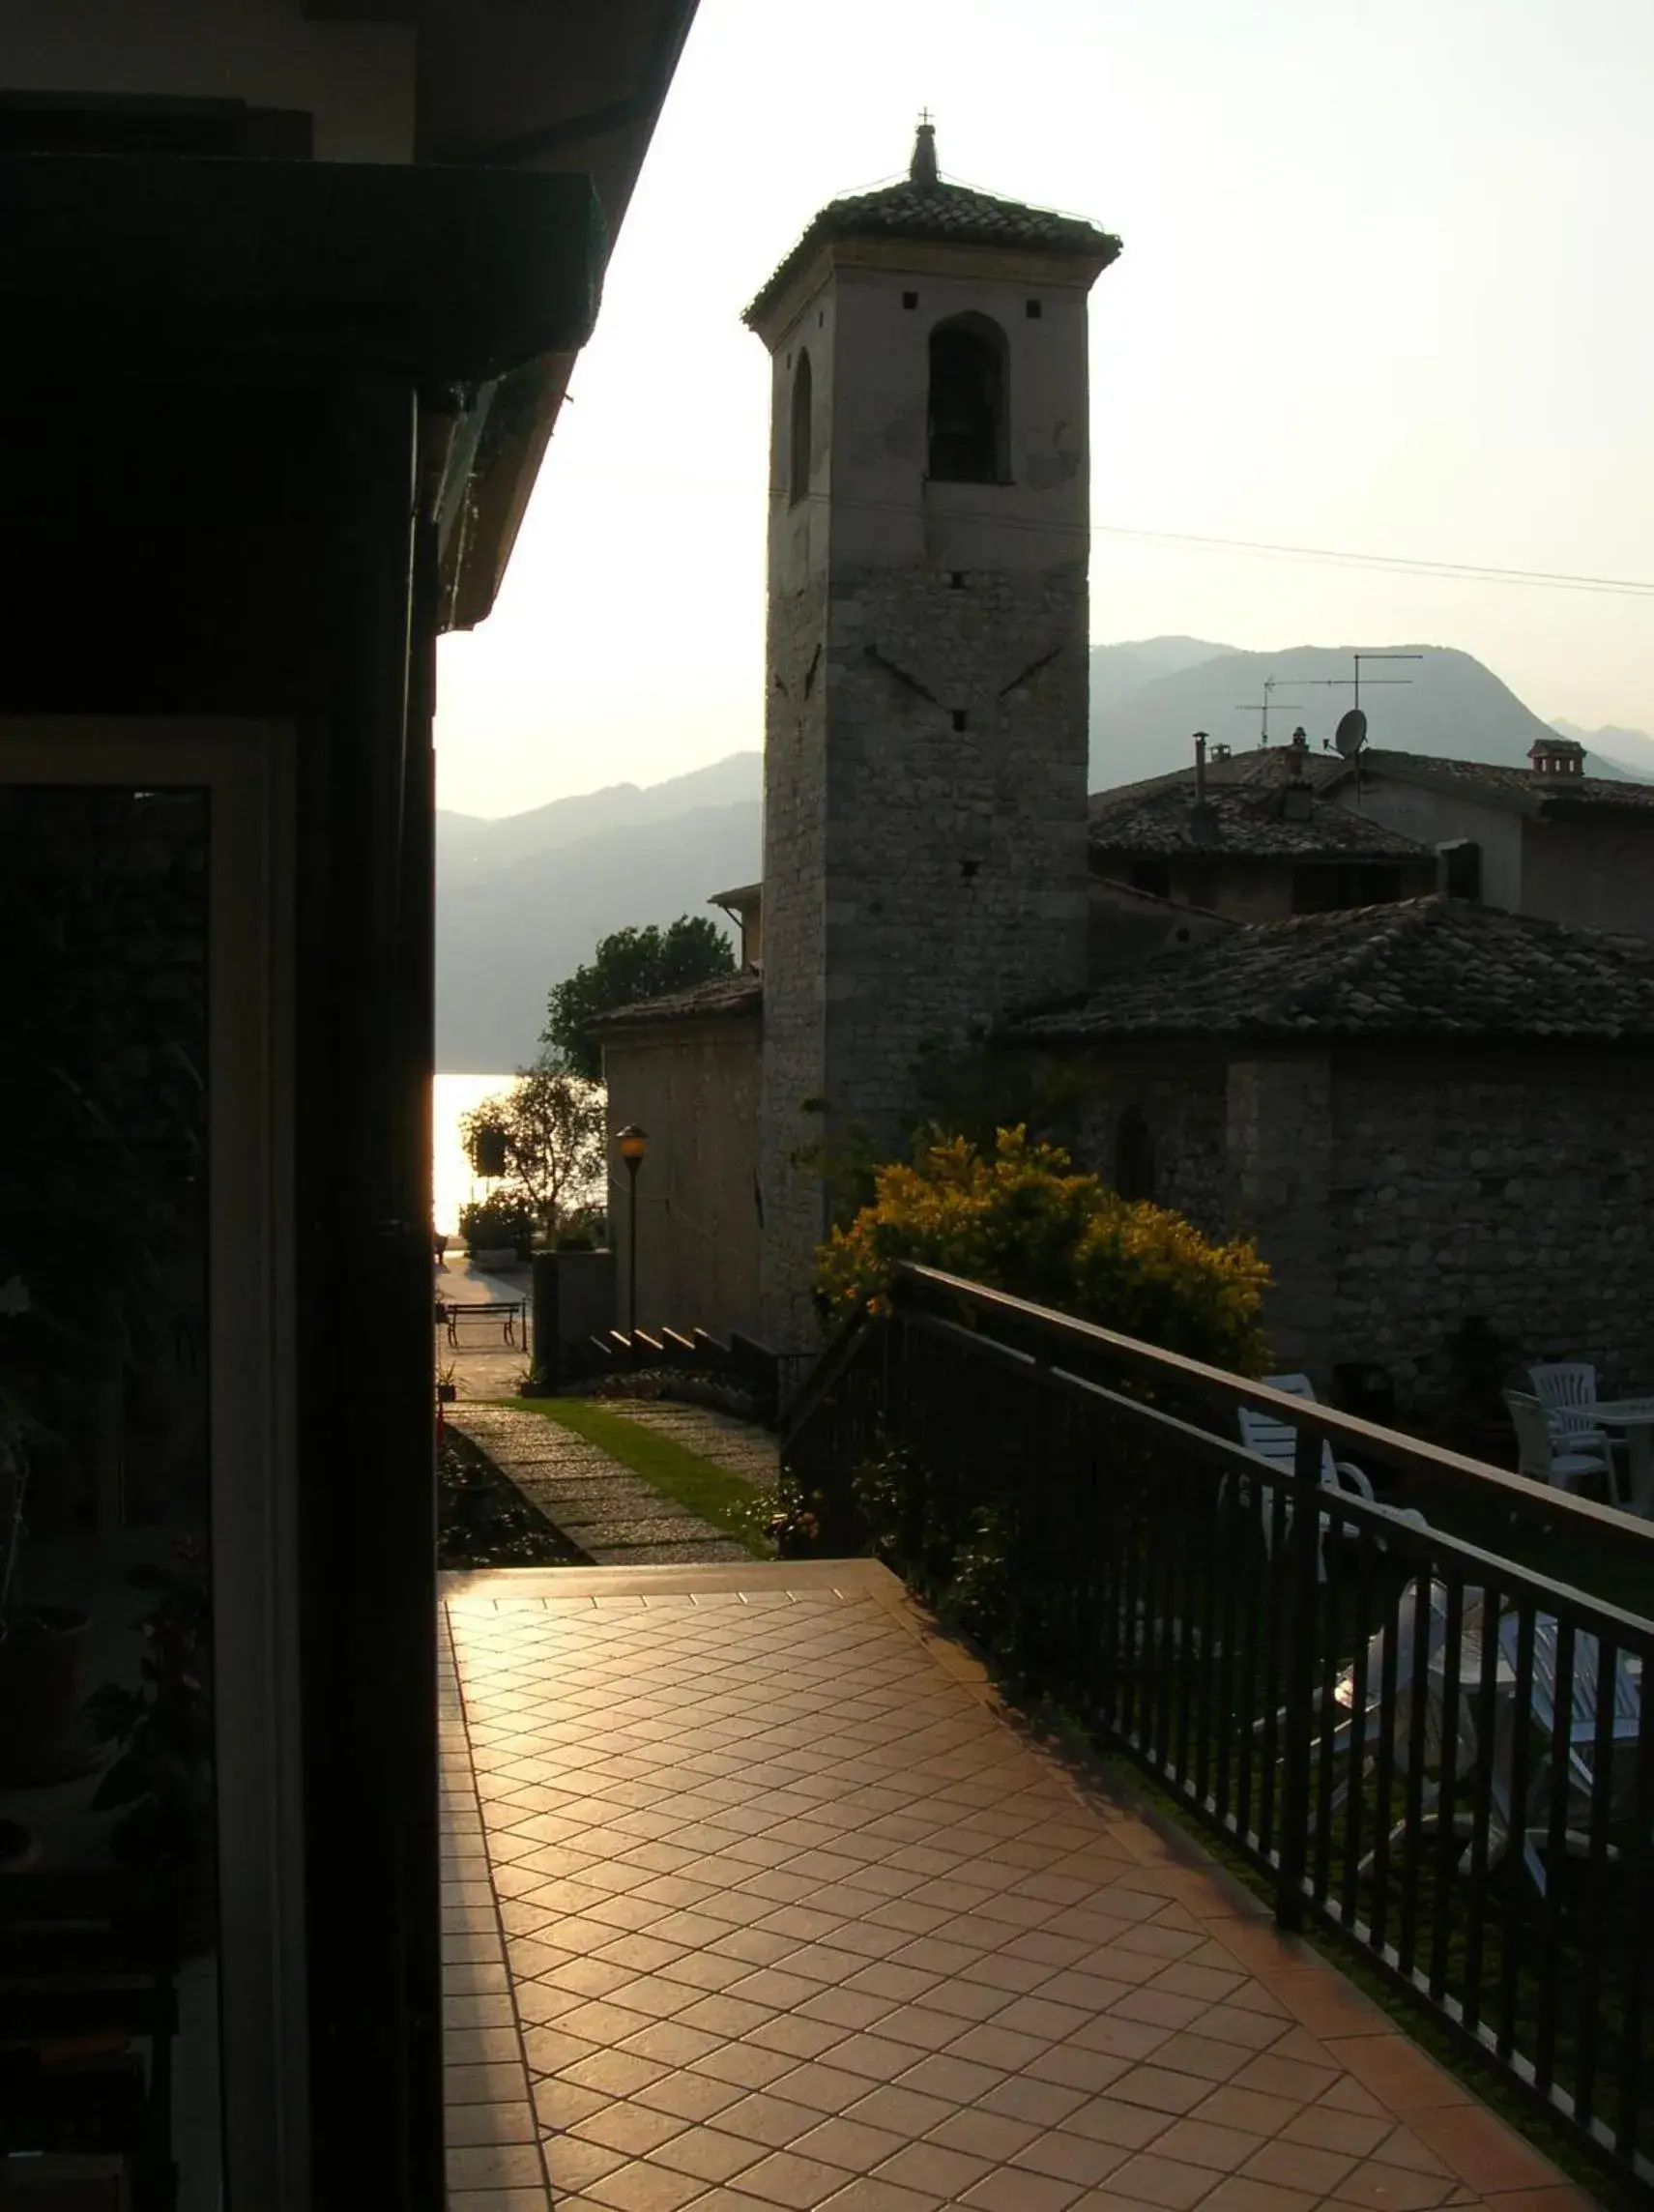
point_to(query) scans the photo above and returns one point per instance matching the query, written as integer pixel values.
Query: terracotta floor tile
(794, 1919)
(1477, 2147)
(633, 2129)
(1160, 2088)
(1151, 2177)
(573, 2164)
(1062, 2156)
(1237, 2194)
(1299, 2165)
(1011, 2189)
(637, 2187)
(992, 2135)
(934, 2167)
(495, 2166)
(1392, 2188)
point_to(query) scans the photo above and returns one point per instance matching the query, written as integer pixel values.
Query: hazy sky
(1387, 286)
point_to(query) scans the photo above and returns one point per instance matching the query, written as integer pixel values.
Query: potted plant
(44, 1648)
(162, 1777)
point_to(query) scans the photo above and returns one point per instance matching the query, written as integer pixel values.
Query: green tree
(546, 1134)
(628, 967)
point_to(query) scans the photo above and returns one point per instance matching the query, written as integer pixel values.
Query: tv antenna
(1262, 705)
(1350, 739)
(1345, 682)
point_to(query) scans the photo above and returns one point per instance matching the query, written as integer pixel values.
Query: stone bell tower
(925, 747)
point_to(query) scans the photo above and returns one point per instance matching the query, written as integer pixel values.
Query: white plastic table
(1634, 1417)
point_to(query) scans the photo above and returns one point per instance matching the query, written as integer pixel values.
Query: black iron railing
(1428, 1744)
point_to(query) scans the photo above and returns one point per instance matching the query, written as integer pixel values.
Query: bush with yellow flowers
(1020, 1218)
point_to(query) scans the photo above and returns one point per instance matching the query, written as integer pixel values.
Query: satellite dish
(1351, 734)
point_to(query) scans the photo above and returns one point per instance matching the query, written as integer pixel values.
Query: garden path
(756, 1897)
(615, 1517)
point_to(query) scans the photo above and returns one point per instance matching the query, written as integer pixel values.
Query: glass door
(148, 1867)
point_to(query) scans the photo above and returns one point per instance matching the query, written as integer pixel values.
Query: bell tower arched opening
(969, 414)
(799, 454)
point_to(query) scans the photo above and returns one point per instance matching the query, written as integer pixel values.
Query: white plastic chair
(1365, 1725)
(1538, 1457)
(1277, 1441)
(1581, 1730)
(1567, 1389)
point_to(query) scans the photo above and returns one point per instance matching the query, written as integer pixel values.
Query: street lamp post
(633, 1146)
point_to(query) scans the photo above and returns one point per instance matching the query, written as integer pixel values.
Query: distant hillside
(468, 846)
(505, 933)
(1117, 670)
(1630, 749)
(1453, 707)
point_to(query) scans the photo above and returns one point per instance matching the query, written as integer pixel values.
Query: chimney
(1555, 760)
(1202, 822)
(1297, 797)
(1459, 870)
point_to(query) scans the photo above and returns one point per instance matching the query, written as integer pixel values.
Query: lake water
(452, 1184)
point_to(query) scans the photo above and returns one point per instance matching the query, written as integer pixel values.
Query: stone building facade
(924, 860)
(1423, 1115)
(686, 1070)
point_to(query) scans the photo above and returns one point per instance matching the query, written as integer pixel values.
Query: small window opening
(821, 317)
(1033, 310)
(956, 580)
(959, 718)
(799, 457)
(910, 298)
(1134, 1155)
(969, 868)
(968, 430)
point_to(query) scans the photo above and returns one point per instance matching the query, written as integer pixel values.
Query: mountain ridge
(522, 899)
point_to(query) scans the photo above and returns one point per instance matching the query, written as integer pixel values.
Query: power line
(1405, 563)
(1393, 564)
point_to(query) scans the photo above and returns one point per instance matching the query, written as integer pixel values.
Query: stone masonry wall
(919, 875)
(1183, 1107)
(956, 854)
(1514, 1190)
(795, 956)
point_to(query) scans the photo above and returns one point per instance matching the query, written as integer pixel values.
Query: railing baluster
(1634, 2131)
(1515, 1834)
(1446, 1831)
(1413, 1796)
(1231, 1536)
(1389, 1721)
(1298, 1645)
(1338, 1549)
(1596, 1915)
(1487, 1725)
(1556, 1852)
(1360, 1737)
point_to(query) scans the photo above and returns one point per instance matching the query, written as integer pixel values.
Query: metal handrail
(836, 1356)
(1405, 1454)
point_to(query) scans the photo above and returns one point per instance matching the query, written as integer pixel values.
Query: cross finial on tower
(921, 170)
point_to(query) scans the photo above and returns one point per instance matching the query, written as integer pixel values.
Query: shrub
(490, 1224)
(1019, 1218)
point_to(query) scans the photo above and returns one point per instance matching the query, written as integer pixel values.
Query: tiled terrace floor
(758, 1901)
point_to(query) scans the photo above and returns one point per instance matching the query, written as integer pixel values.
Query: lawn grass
(701, 1486)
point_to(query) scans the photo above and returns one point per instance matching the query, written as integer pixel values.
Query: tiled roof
(724, 995)
(944, 214)
(1425, 968)
(1244, 820)
(1514, 788)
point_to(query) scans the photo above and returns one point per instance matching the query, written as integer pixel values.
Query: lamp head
(632, 1143)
